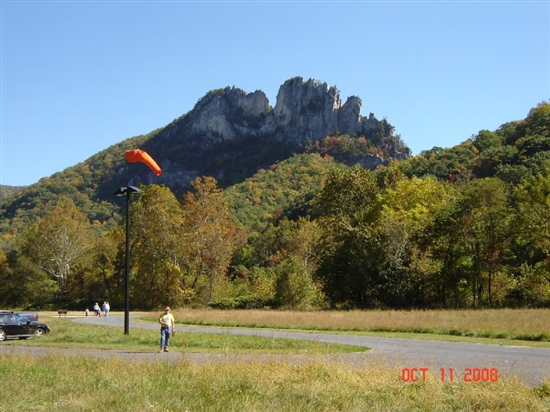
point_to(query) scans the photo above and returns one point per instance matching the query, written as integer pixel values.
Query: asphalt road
(467, 360)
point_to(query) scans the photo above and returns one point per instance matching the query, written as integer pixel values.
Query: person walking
(167, 327)
(97, 310)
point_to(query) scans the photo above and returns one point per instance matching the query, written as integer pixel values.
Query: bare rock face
(304, 110)
(349, 115)
(223, 114)
(230, 132)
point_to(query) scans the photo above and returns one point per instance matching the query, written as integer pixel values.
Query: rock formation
(225, 121)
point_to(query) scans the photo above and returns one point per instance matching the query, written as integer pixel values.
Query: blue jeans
(164, 338)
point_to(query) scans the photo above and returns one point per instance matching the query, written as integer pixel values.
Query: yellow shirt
(168, 320)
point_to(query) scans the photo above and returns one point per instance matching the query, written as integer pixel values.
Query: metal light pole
(132, 156)
(127, 191)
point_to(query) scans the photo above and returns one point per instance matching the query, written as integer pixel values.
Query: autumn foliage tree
(156, 249)
(460, 227)
(211, 234)
(58, 242)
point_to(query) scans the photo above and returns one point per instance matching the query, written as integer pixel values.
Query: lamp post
(132, 156)
(127, 191)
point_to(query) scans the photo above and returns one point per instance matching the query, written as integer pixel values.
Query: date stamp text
(451, 375)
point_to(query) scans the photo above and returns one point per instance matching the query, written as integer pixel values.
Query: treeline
(180, 251)
(464, 227)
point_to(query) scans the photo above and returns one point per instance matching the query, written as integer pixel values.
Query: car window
(9, 319)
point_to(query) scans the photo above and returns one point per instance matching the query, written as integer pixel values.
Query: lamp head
(123, 191)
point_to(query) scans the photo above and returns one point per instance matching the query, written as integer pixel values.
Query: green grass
(78, 383)
(528, 327)
(68, 334)
(71, 382)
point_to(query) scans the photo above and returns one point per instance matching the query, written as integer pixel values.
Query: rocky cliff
(230, 134)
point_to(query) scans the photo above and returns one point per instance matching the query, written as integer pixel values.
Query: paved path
(532, 365)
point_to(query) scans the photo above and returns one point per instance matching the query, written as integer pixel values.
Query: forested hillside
(7, 191)
(513, 153)
(461, 227)
(89, 185)
(228, 135)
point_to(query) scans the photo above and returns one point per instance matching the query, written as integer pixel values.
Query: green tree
(23, 283)
(286, 239)
(410, 209)
(102, 274)
(156, 249)
(294, 285)
(349, 206)
(211, 234)
(532, 201)
(444, 239)
(488, 224)
(58, 242)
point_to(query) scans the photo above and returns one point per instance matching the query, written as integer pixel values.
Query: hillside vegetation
(462, 227)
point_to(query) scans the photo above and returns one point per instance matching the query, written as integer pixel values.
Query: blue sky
(79, 76)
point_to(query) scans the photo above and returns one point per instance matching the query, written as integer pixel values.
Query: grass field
(77, 383)
(530, 325)
(68, 334)
(81, 383)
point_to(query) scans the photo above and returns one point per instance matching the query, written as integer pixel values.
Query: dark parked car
(31, 315)
(15, 326)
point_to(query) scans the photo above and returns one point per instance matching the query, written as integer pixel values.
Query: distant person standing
(167, 327)
(106, 309)
(86, 312)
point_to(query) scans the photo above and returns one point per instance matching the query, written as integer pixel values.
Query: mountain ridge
(226, 119)
(229, 134)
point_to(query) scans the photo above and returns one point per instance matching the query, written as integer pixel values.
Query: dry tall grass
(73, 383)
(489, 322)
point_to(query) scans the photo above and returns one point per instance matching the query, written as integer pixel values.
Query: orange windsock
(138, 155)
